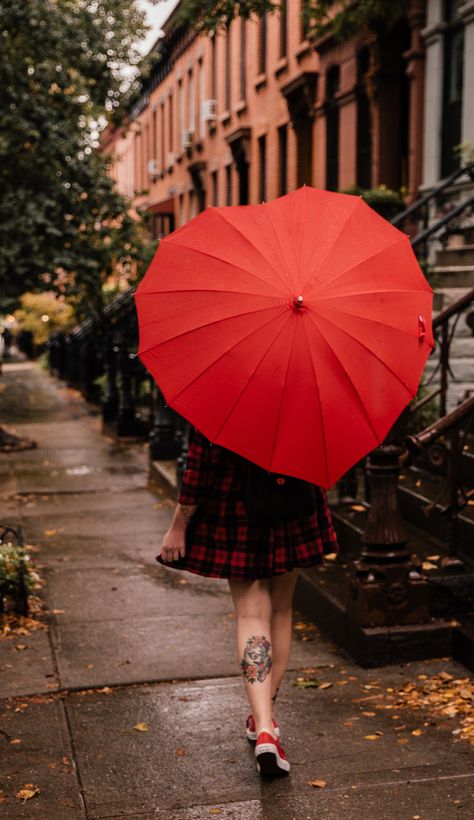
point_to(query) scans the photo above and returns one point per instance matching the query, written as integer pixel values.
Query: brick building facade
(258, 110)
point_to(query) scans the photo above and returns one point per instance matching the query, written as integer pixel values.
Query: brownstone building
(258, 110)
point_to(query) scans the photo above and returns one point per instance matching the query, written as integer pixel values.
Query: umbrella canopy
(292, 332)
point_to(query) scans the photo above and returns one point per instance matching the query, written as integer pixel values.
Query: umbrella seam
(369, 319)
(225, 262)
(320, 404)
(269, 220)
(281, 397)
(354, 390)
(308, 281)
(252, 246)
(356, 264)
(368, 349)
(216, 360)
(251, 377)
(214, 322)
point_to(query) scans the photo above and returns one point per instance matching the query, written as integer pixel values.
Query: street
(131, 704)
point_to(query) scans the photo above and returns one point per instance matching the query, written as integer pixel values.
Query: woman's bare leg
(281, 592)
(253, 609)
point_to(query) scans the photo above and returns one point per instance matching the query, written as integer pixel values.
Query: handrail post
(444, 362)
(387, 587)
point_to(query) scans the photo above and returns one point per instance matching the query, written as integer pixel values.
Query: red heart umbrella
(292, 332)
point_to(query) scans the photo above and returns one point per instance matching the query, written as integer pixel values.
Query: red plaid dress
(220, 542)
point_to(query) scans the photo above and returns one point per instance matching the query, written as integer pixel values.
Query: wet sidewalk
(131, 705)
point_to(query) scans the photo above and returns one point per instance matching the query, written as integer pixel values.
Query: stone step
(453, 276)
(463, 640)
(461, 255)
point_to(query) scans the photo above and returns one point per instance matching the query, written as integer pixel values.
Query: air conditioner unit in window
(187, 137)
(170, 162)
(153, 167)
(209, 110)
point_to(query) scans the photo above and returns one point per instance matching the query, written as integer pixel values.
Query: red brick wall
(263, 110)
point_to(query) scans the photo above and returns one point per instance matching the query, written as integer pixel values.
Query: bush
(17, 579)
(383, 200)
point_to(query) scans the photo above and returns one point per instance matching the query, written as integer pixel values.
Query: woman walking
(214, 533)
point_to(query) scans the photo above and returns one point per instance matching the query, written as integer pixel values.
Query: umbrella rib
(252, 246)
(321, 419)
(354, 264)
(368, 319)
(307, 283)
(387, 366)
(269, 220)
(364, 292)
(221, 356)
(282, 394)
(208, 324)
(355, 391)
(224, 261)
(265, 352)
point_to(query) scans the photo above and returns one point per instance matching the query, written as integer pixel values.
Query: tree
(63, 225)
(343, 18)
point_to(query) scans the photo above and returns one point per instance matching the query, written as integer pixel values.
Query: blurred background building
(257, 110)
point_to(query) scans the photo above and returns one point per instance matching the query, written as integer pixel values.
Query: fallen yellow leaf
(27, 792)
(181, 752)
(428, 565)
(141, 727)
(317, 784)
(371, 737)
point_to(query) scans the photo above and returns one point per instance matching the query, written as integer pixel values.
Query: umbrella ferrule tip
(298, 300)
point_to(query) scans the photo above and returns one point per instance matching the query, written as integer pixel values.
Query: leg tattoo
(257, 660)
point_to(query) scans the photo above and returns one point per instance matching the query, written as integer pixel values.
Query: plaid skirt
(220, 541)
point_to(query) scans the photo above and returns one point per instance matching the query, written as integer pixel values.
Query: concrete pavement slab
(194, 752)
(126, 593)
(35, 748)
(26, 665)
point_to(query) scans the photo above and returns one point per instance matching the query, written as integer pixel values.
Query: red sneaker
(271, 759)
(251, 730)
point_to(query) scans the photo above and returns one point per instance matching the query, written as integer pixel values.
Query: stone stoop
(454, 269)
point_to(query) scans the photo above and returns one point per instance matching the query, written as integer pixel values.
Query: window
(228, 180)
(262, 44)
(154, 136)
(180, 114)
(332, 129)
(215, 188)
(191, 102)
(181, 209)
(243, 58)
(214, 67)
(364, 135)
(162, 134)
(283, 28)
(136, 164)
(170, 122)
(201, 96)
(262, 168)
(192, 204)
(283, 160)
(228, 66)
(304, 29)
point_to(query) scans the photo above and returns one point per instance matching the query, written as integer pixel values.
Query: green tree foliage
(63, 225)
(340, 17)
(42, 314)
